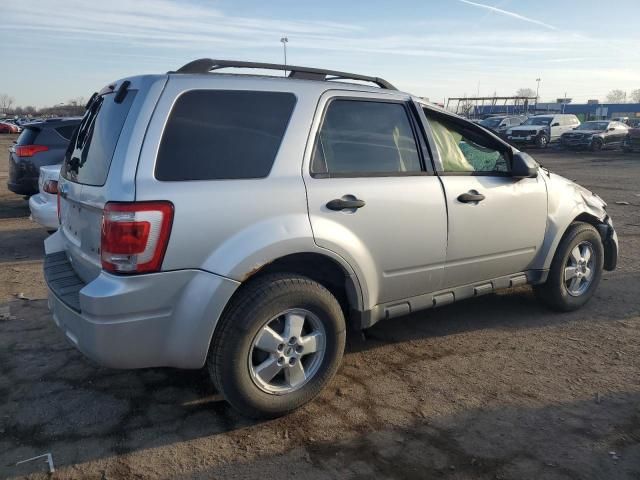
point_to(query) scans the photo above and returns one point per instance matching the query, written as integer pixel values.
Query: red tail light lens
(135, 236)
(50, 186)
(30, 150)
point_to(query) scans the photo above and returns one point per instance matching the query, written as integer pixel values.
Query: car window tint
(66, 131)
(28, 136)
(462, 149)
(219, 134)
(365, 137)
(88, 157)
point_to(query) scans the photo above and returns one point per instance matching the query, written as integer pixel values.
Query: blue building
(584, 111)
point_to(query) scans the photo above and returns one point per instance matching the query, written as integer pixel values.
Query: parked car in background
(631, 142)
(241, 222)
(40, 143)
(500, 124)
(6, 127)
(595, 135)
(44, 204)
(542, 129)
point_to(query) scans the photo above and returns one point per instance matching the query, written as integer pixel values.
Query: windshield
(538, 121)
(491, 122)
(593, 126)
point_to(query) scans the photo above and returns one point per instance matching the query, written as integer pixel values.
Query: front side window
(223, 135)
(463, 149)
(363, 138)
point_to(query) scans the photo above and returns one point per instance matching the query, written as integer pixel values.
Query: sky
(53, 51)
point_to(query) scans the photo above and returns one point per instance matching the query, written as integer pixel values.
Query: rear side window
(28, 136)
(89, 154)
(360, 138)
(66, 131)
(217, 134)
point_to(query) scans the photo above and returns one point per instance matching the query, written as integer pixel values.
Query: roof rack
(206, 65)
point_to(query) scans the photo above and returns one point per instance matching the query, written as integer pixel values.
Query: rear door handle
(344, 204)
(471, 196)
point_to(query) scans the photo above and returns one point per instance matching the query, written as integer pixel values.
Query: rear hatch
(84, 185)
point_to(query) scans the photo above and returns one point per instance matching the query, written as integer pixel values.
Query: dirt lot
(496, 387)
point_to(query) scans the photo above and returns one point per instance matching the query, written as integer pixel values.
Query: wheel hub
(579, 270)
(287, 351)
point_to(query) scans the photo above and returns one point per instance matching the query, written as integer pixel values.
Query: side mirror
(611, 129)
(523, 166)
(557, 124)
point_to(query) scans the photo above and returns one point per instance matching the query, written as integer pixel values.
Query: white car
(44, 205)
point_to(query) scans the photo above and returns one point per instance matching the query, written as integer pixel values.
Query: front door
(370, 196)
(496, 223)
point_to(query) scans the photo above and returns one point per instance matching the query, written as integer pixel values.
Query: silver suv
(242, 222)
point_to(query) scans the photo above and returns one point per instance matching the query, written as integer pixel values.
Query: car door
(496, 222)
(619, 133)
(371, 198)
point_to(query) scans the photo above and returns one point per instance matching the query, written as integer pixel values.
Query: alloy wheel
(287, 351)
(579, 269)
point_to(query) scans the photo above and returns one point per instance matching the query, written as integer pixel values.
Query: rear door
(83, 179)
(371, 198)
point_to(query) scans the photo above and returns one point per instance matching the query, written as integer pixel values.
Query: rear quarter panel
(233, 227)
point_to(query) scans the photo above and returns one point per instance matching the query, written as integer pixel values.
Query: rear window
(216, 134)
(90, 151)
(28, 136)
(66, 131)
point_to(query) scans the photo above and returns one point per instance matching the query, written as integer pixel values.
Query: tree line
(72, 108)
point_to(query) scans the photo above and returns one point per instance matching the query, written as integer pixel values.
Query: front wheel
(277, 346)
(596, 145)
(575, 271)
(542, 141)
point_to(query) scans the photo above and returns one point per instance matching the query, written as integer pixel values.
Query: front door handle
(344, 204)
(471, 196)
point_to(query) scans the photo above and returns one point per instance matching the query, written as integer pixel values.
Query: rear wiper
(122, 91)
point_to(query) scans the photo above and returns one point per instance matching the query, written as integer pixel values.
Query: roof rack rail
(206, 65)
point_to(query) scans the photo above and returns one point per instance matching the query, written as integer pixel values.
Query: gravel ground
(491, 388)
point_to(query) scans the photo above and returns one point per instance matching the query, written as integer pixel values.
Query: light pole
(537, 90)
(284, 41)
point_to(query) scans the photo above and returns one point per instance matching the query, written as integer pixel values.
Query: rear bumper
(23, 177)
(43, 212)
(24, 186)
(155, 320)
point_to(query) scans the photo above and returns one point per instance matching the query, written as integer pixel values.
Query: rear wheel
(278, 345)
(575, 271)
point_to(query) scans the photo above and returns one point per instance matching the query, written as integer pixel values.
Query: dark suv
(40, 143)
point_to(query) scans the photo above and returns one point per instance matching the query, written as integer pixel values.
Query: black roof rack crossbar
(206, 65)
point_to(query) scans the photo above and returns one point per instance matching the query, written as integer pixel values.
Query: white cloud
(509, 14)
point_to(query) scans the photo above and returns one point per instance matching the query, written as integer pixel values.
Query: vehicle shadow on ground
(509, 309)
(20, 245)
(58, 401)
(582, 439)
(14, 207)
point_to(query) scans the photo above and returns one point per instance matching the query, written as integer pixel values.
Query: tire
(235, 356)
(542, 141)
(555, 293)
(596, 145)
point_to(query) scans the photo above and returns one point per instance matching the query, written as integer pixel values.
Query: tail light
(50, 186)
(135, 236)
(29, 150)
